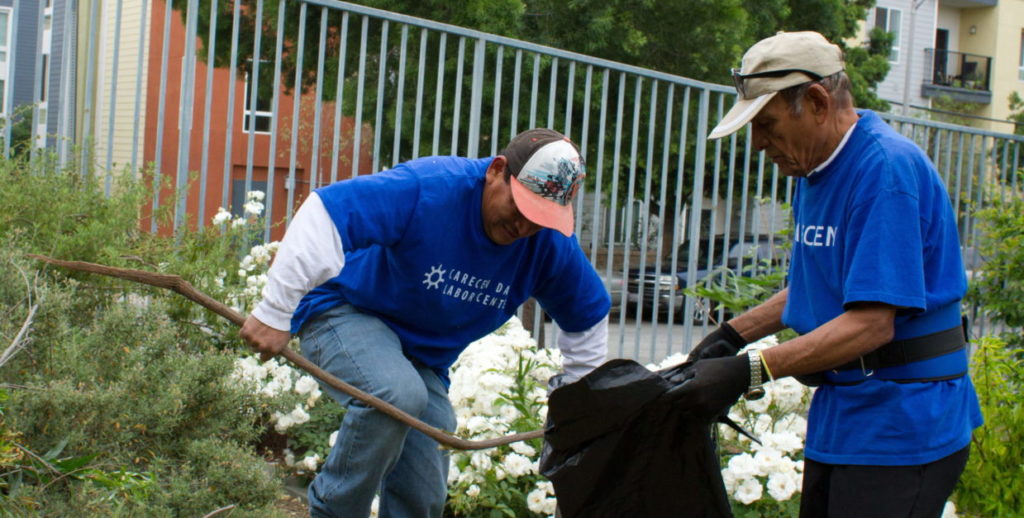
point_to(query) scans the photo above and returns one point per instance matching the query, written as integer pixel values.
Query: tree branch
(177, 284)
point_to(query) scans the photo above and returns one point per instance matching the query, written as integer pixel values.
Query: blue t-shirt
(416, 256)
(876, 225)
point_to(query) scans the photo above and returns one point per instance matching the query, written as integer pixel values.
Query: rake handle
(181, 286)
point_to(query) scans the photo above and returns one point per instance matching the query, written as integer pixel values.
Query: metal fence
(285, 96)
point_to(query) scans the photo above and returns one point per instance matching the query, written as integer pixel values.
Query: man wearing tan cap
(875, 284)
(387, 278)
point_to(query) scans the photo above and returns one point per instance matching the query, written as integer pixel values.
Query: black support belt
(902, 352)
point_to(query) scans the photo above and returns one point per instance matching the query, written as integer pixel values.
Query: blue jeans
(374, 453)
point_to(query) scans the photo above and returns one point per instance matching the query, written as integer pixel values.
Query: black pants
(846, 491)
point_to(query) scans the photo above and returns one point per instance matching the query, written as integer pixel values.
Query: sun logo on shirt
(434, 277)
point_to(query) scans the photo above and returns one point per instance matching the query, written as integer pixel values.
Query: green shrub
(999, 286)
(212, 473)
(991, 485)
(133, 384)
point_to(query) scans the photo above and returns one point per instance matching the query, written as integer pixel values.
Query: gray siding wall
(57, 70)
(23, 75)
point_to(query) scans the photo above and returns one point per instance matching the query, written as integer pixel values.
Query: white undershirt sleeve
(583, 351)
(310, 254)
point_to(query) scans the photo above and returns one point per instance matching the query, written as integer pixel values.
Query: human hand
(264, 339)
(724, 341)
(713, 385)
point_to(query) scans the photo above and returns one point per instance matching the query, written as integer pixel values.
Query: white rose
(305, 385)
(742, 466)
(535, 500)
(522, 448)
(473, 491)
(517, 465)
(309, 463)
(332, 439)
(749, 491)
(781, 486)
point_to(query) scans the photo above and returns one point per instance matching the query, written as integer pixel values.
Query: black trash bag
(614, 448)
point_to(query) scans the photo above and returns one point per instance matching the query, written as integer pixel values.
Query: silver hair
(837, 85)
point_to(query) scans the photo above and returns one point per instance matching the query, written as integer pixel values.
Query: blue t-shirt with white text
(417, 256)
(876, 225)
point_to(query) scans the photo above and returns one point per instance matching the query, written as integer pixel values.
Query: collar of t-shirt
(835, 153)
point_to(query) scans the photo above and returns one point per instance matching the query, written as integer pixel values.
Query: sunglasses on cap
(738, 79)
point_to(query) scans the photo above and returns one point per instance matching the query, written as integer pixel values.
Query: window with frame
(889, 20)
(262, 115)
(5, 51)
(1020, 65)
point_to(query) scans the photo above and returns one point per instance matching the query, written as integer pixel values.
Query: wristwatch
(756, 389)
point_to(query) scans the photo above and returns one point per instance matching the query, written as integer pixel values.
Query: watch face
(754, 393)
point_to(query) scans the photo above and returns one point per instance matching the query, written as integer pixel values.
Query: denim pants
(374, 453)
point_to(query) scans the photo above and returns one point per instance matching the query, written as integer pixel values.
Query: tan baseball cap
(773, 64)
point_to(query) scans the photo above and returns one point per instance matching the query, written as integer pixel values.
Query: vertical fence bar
(533, 91)
(230, 126)
(63, 124)
(614, 209)
(339, 96)
(90, 79)
(552, 92)
(420, 77)
(598, 184)
(113, 93)
(698, 198)
(457, 101)
(662, 199)
(516, 76)
(37, 86)
(138, 94)
(207, 104)
(314, 158)
(293, 185)
(253, 96)
(569, 90)
(185, 110)
(381, 83)
(160, 118)
(439, 93)
(476, 101)
(684, 124)
(496, 113)
(396, 155)
(275, 114)
(581, 196)
(358, 129)
(627, 245)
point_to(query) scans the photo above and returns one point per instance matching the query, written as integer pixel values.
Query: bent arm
(310, 254)
(854, 333)
(763, 319)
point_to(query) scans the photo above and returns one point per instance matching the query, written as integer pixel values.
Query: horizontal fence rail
(212, 100)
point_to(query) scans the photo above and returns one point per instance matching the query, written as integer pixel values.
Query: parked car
(661, 290)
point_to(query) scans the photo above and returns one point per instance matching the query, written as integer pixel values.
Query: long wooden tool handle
(183, 287)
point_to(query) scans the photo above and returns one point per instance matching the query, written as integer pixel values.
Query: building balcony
(960, 76)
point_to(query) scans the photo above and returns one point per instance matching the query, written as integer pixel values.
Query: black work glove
(724, 341)
(712, 385)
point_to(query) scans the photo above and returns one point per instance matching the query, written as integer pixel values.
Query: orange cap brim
(543, 212)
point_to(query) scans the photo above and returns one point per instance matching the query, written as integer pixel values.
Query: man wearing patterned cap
(874, 291)
(387, 278)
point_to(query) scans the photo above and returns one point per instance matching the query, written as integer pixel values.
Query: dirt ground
(291, 506)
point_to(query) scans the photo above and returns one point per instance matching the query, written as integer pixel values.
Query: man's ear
(498, 166)
(820, 101)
